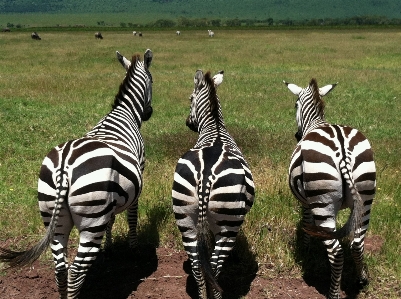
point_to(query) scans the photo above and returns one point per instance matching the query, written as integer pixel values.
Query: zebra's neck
(118, 125)
(213, 133)
(313, 125)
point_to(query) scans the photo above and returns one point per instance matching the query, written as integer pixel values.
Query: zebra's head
(137, 74)
(204, 100)
(309, 104)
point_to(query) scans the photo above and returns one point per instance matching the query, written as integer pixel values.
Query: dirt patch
(159, 273)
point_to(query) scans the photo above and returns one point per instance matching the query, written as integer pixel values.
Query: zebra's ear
(295, 89)
(326, 89)
(124, 61)
(198, 78)
(147, 58)
(218, 78)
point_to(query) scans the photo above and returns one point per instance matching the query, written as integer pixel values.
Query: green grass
(56, 89)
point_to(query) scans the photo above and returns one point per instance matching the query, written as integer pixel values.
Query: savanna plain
(58, 88)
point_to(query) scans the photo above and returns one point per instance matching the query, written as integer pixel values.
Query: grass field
(58, 88)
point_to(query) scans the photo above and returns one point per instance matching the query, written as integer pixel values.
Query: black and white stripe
(213, 188)
(87, 181)
(331, 168)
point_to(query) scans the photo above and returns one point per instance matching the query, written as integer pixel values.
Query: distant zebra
(98, 35)
(140, 34)
(331, 168)
(35, 35)
(211, 33)
(6, 29)
(213, 187)
(178, 32)
(87, 181)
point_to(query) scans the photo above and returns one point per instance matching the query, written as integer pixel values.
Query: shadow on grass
(316, 267)
(239, 270)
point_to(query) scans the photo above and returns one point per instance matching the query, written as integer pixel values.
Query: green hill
(143, 11)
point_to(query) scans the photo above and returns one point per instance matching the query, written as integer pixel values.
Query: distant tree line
(203, 22)
(236, 22)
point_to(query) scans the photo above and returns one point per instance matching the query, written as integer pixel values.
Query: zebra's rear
(87, 181)
(212, 191)
(332, 168)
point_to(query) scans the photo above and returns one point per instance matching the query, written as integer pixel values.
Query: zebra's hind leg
(109, 239)
(199, 276)
(222, 250)
(336, 259)
(61, 266)
(307, 219)
(357, 249)
(88, 250)
(132, 216)
(59, 251)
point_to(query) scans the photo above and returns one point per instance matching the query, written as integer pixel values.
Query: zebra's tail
(22, 258)
(203, 245)
(354, 221)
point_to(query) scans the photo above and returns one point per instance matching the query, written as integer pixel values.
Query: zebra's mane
(213, 99)
(317, 99)
(135, 58)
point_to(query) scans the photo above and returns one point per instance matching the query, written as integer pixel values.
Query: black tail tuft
(204, 256)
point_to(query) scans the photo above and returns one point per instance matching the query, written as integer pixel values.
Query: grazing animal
(178, 32)
(98, 35)
(134, 33)
(211, 33)
(140, 34)
(213, 189)
(331, 168)
(6, 29)
(35, 35)
(87, 181)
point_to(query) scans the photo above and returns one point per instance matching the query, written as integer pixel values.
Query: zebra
(140, 34)
(134, 33)
(178, 32)
(211, 33)
(331, 168)
(98, 35)
(213, 188)
(35, 35)
(87, 181)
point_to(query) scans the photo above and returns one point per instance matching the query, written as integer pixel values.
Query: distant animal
(213, 188)
(211, 33)
(331, 168)
(98, 35)
(140, 34)
(178, 32)
(87, 181)
(6, 29)
(35, 35)
(134, 33)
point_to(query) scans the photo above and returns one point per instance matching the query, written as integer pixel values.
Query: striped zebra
(213, 188)
(332, 168)
(87, 181)
(211, 33)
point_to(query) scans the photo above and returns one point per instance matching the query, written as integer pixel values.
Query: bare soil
(164, 273)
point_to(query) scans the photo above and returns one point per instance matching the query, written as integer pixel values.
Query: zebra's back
(315, 171)
(219, 177)
(100, 177)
